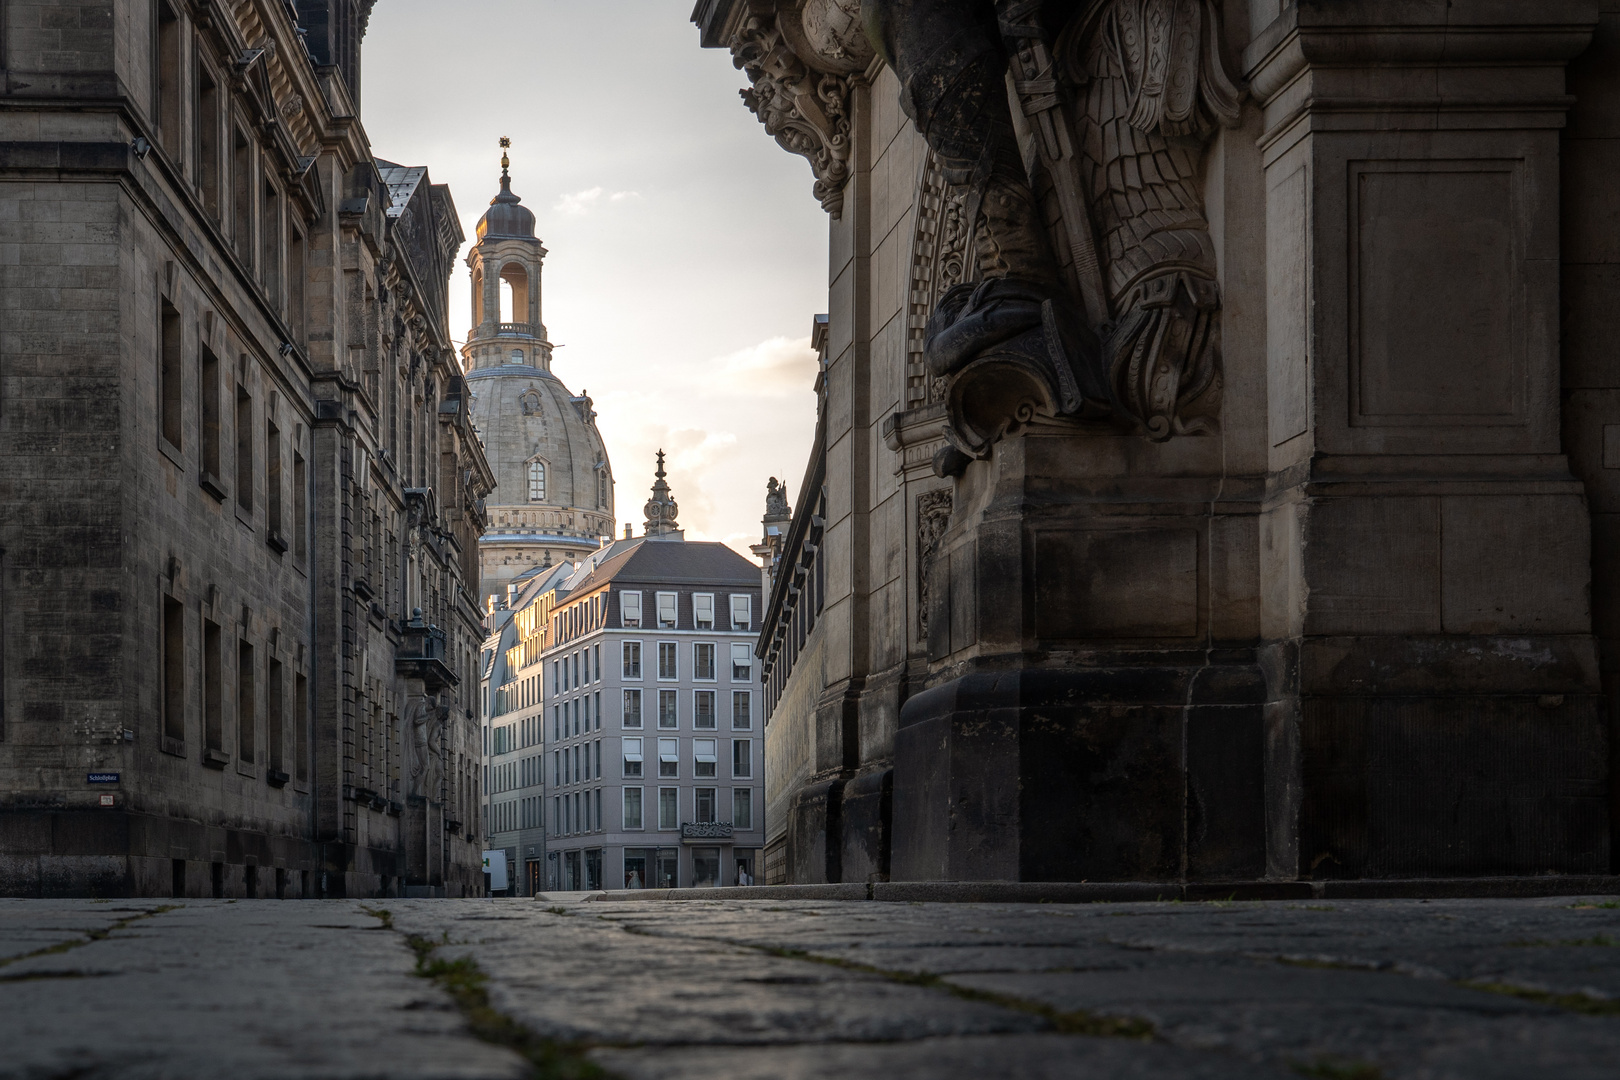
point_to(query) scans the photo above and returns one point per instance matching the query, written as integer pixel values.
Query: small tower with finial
(661, 508)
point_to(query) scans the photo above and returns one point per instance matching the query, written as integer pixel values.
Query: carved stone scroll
(933, 515)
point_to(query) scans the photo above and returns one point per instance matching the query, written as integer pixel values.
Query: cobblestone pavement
(1352, 990)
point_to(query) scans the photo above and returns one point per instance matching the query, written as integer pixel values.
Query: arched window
(537, 481)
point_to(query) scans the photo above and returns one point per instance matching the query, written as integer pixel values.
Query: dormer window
(537, 481)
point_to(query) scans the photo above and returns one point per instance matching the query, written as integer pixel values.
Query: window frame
(628, 599)
(675, 816)
(747, 745)
(697, 710)
(748, 696)
(714, 664)
(624, 709)
(700, 601)
(700, 759)
(641, 810)
(675, 609)
(748, 607)
(671, 758)
(674, 652)
(675, 713)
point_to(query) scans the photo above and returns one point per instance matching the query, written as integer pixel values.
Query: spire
(661, 508)
(505, 195)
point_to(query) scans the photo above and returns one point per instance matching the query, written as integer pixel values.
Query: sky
(687, 256)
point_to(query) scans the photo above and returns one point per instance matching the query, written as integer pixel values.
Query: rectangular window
(270, 243)
(576, 671)
(170, 389)
(301, 726)
(246, 720)
(168, 78)
(703, 660)
(300, 521)
(703, 611)
(272, 483)
(703, 805)
(630, 609)
(742, 808)
(741, 711)
(587, 708)
(574, 708)
(244, 448)
(632, 808)
(667, 664)
(742, 615)
(668, 709)
(669, 762)
(174, 670)
(669, 808)
(742, 661)
(295, 286)
(587, 816)
(742, 758)
(556, 766)
(242, 193)
(703, 711)
(556, 676)
(632, 708)
(208, 139)
(556, 813)
(275, 718)
(632, 757)
(599, 710)
(704, 757)
(597, 650)
(213, 690)
(666, 610)
(208, 415)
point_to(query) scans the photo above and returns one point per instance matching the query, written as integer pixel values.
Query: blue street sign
(101, 778)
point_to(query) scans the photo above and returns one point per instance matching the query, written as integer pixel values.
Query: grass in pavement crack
(1063, 1021)
(466, 984)
(1574, 1002)
(90, 937)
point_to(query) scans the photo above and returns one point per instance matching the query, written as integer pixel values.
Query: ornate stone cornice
(802, 58)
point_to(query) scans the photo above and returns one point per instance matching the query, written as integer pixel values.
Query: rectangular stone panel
(1140, 583)
(1372, 565)
(1435, 321)
(1515, 564)
(1287, 287)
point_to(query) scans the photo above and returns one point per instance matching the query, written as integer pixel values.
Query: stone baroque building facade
(243, 491)
(1214, 477)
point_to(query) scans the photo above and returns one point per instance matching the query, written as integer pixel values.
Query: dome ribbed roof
(504, 216)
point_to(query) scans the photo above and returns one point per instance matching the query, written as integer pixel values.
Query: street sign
(495, 867)
(101, 778)
(109, 800)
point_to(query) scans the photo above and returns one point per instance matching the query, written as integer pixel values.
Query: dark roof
(686, 562)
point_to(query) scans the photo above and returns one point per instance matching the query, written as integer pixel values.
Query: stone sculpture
(1050, 323)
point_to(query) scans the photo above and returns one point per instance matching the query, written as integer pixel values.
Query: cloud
(581, 203)
(776, 367)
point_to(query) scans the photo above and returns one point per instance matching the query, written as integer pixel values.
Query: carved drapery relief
(933, 515)
(1090, 293)
(424, 724)
(799, 56)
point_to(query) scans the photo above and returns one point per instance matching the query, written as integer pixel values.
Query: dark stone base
(815, 831)
(118, 853)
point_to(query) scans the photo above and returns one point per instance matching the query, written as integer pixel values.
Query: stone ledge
(1085, 892)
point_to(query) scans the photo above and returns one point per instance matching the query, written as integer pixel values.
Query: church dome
(505, 217)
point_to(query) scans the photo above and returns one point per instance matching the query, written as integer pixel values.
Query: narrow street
(567, 987)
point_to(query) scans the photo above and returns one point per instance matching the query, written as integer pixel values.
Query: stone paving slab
(1458, 989)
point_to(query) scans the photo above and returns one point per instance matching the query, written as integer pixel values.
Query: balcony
(422, 654)
(693, 832)
(517, 329)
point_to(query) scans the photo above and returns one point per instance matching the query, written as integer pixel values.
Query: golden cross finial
(505, 162)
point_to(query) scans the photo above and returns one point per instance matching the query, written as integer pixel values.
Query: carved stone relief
(933, 515)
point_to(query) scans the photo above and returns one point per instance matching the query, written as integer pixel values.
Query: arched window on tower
(537, 481)
(601, 489)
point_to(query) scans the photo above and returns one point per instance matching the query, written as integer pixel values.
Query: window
(208, 416)
(669, 808)
(274, 717)
(587, 708)
(241, 193)
(295, 286)
(666, 660)
(666, 610)
(668, 709)
(174, 670)
(741, 713)
(742, 661)
(556, 767)
(537, 481)
(574, 708)
(168, 78)
(742, 758)
(245, 700)
(208, 139)
(632, 757)
(301, 726)
(632, 708)
(272, 475)
(270, 242)
(556, 676)
(169, 386)
(632, 808)
(598, 652)
(586, 774)
(704, 754)
(244, 448)
(741, 611)
(599, 757)
(703, 660)
(703, 715)
(742, 808)
(300, 521)
(669, 762)
(599, 710)
(703, 805)
(703, 611)
(630, 609)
